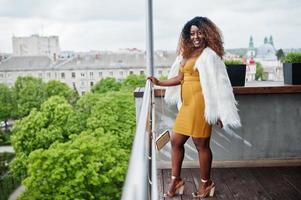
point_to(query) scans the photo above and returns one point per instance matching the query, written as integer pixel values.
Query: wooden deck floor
(241, 183)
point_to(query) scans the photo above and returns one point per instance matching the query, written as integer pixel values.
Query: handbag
(162, 140)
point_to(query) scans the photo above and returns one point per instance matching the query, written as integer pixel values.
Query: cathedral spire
(251, 43)
(266, 40)
(271, 40)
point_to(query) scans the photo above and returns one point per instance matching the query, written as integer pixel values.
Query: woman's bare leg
(177, 154)
(205, 157)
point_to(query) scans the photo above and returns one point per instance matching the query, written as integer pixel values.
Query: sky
(84, 25)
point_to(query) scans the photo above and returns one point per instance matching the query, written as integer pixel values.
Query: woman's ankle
(205, 182)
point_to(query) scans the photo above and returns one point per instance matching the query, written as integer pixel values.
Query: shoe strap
(204, 181)
(175, 177)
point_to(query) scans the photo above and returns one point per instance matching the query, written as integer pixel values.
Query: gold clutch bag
(162, 140)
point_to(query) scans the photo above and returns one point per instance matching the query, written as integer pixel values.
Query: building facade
(82, 71)
(36, 45)
(266, 55)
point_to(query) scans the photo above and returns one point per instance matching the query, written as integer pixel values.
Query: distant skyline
(110, 25)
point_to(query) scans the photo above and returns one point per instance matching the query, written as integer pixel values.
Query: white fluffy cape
(217, 90)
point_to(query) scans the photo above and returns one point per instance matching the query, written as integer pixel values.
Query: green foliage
(233, 62)
(29, 93)
(81, 152)
(55, 122)
(58, 88)
(259, 75)
(5, 158)
(18, 166)
(6, 103)
(41, 128)
(4, 137)
(87, 167)
(133, 81)
(84, 107)
(113, 112)
(280, 55)
(8, 183)
(293, 58)
(106, 85)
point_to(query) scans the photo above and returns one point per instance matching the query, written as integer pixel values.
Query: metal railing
(141, 179)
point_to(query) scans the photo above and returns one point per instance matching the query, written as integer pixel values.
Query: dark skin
(178, 140)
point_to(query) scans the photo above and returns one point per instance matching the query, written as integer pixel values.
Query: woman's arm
(170, 82)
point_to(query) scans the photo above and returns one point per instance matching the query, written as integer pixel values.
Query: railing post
(149, 42)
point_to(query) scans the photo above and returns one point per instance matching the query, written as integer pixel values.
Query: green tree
(133, 81)
(84, 107)
(58, 88)
(259, 72)
(56, 121)
(90, 166)
(6, 103)
(29, 93)
(280, 55)
(76, 153)
(115, 114)
(106, 85)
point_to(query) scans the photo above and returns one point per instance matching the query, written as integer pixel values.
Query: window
(141, 72)
(131, 72)
(91, 83)
(73, 74)
(48, 75)
(82, 74)
(91, 74)
(1, 75)
(62, 75)
(100, 74)
(82, 83)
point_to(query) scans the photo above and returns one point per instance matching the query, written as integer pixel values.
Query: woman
(203, 92)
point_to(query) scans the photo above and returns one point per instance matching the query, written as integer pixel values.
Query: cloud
(107, 24)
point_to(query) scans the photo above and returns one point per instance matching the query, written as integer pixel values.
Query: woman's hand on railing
(154, 80)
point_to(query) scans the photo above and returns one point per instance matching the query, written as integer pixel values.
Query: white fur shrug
(217, 90)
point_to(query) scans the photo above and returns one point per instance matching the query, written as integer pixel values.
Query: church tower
(266, 40)
(251, 64)
(271, 40)
(251, 43)
(251, 49)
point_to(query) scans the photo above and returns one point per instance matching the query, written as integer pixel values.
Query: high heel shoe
(209, 191)
(178, 188)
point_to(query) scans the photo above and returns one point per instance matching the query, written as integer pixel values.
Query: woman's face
(196, 37)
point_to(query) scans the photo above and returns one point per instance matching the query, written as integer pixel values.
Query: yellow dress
(190, 120)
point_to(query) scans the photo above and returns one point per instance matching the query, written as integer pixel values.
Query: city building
(36, 45)
(83, 70)
(266, 55)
